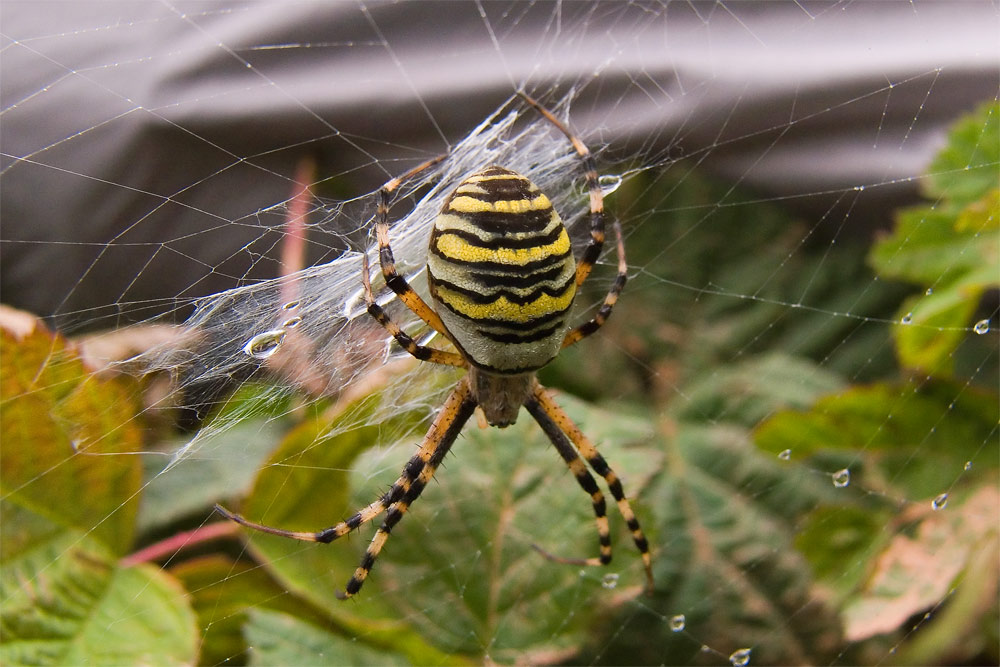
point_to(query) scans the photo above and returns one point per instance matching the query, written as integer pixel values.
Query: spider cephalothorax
(502, 277)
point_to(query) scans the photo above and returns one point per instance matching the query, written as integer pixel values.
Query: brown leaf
(914, 574)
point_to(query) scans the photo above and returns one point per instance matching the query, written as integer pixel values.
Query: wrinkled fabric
(140, 150)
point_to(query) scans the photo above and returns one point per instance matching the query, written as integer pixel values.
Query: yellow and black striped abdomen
(502, 272)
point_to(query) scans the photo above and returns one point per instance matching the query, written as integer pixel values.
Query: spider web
(798, 386)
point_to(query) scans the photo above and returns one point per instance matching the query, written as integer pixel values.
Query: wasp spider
(503, 277)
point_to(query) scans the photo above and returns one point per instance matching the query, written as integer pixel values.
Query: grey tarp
(138, 145)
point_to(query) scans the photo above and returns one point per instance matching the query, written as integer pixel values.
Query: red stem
(175, 543)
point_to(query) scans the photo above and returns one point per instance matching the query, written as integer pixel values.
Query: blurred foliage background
(819, 484)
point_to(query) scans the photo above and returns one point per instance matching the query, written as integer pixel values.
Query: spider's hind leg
(583, 478)
(457, 409)
(561, 430)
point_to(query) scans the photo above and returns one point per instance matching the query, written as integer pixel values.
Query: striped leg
(421, 352)
(395, 281)
(600, 466)
(585, 480)
(442, 433)
(418, 472)
(577, 334)
(327, 535)
(593, 249)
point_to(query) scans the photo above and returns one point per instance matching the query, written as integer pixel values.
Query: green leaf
(461, 565)
(952, 247)
(223, 591)
(839, 540)
(931, 327)
(926, 248)
(726, 518)
(69, 440)
(969, 164)
(918, 436)
(748, 392)
(225, 466)
(958, 259)
(305, 486)
(66, 602)
(227, 593)
(70, 482)
(282, 639)
(710, 294)
(460, 568)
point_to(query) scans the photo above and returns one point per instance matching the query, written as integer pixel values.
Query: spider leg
(576, 334)
(593, 249)
(421, 352)
(395, 281)
(441, 434)
(583, 478)
(458, 407)
(327, 534)
(586, 448)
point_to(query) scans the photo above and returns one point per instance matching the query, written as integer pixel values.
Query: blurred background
(798, 386)
(141, 141)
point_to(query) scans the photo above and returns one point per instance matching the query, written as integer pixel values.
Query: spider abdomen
(502, 272)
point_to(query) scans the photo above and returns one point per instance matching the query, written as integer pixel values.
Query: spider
(502, 277)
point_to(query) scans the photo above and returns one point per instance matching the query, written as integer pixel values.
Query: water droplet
(930, 290)
(981, 327)
(677, 623)
(609, 580)
(263, 345)
(940, 502)
(292, 322)
(291, 305)
(740, 658)
(842, 478)
(907, 319)
(968, 466)
(609, 183)
(785, 455)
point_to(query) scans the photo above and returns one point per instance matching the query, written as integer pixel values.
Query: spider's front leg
(421, 352)
(387, 261)
(578, 333)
